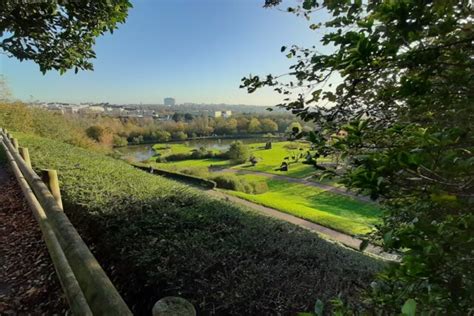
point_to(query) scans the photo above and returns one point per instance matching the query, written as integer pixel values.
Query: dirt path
(301, 181)
(28, 283)
(331, 234)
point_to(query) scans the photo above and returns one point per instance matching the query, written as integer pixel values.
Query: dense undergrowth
(21, 118)
(156, 238)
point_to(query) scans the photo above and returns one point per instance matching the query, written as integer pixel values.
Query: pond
(145, 151)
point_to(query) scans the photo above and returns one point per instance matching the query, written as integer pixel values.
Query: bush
(201, 172)
(179, 157)
(161, 136)
(119, 141)
(259, 187)
(156, 237)
(232, 182)
(238, 152)
(179, 136)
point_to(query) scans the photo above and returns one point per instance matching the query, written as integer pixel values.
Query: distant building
(224, 114)
(169, 101)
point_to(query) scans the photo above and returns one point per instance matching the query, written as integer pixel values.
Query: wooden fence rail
(87, 288)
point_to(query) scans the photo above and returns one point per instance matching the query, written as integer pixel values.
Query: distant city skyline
(194, 51)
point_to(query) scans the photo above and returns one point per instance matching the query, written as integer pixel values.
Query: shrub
(232, 182)
(259, 187)
(161, 136)
(238, 152)
(201, 153)
(292, 146)
(119, 141)
(201, 172)
(179, 136)
(253, 160)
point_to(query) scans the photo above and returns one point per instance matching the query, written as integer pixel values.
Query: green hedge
(232, 182)
(156, 238)
(191, 179)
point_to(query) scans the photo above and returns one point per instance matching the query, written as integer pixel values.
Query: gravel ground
(28, 282)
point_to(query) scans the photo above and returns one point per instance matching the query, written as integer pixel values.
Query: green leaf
(319, 308)
(308, 4)
(409, 308)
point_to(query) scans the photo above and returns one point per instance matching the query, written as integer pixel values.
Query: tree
(293, 129)
(179, 136)
(119, 141)
(161, 136)
(242, 124)
(95, 132)
(398, 83)
(200, 126)
(254, 126)
(57, 34)
(238, 152)
(225, 126)
(268, 125)
(178, 117)
(188, 117)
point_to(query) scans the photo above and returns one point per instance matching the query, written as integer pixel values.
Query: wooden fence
(87, 288)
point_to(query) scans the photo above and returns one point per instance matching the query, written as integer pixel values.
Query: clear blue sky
(193, 50)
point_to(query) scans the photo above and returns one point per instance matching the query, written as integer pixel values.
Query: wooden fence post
(15, 143)
(50, 178)
(25, 155)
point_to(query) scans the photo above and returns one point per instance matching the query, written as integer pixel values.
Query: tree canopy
(57, 35)
(394, 99)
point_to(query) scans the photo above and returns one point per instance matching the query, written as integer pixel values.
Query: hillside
(156, 237)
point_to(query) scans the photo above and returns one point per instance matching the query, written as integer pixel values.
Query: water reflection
(144, 152)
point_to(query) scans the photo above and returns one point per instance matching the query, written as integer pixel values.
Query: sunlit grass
(338, 212)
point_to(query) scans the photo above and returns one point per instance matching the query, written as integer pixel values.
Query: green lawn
(338, 212)
(168, 149)
(269, 159)
(207, 162)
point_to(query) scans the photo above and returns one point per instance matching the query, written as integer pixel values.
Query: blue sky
(193, 50)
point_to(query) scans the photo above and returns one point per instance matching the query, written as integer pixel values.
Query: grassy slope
(157, 238)
(325, 208)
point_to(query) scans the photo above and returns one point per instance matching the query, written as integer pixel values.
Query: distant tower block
(169, 101)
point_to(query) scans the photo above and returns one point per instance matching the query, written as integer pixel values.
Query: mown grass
(156, 238)
(269, 159)
(335, 211)
(207, 162)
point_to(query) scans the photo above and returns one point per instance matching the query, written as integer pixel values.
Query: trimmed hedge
(157, 238)
(235, 183)
(209, 184)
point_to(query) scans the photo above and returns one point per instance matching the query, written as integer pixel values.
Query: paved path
(301, 181)
(332, 234)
